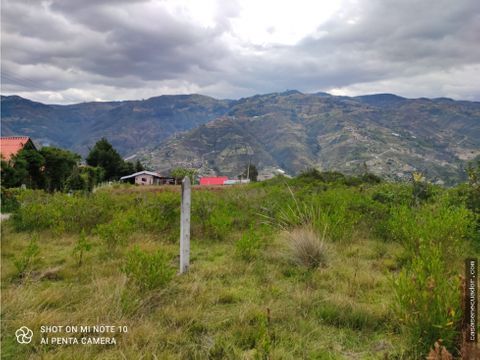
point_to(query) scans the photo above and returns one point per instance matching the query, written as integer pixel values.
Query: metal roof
(144, 172)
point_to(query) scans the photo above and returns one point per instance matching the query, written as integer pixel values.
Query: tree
(180, 173)
(139, 166)
(104, 155)
(11, 177)
(59, 166)
(251, 172)
(75, 181)
(127, 168)
(29, 165)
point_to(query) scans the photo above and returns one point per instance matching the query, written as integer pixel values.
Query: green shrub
(392, 194)
(334, 209)
(447, 226)
(25, 261)
(82, 246)
(428, 300)
(9, 201)
(117, 231)
(148, 271)
(248, 246)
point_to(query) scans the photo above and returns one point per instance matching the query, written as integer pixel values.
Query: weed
(147, 271)
(27, 258)
(80, 248)
(248, 246)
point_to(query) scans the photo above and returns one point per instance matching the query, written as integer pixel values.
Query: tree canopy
(105, 156)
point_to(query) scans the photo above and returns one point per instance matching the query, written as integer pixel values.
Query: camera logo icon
(24, 335)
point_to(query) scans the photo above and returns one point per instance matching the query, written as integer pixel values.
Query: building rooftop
(144, 172)
(11, 145)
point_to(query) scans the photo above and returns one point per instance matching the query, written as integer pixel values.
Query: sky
(68, 51)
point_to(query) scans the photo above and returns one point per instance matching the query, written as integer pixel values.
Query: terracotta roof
(11, 145)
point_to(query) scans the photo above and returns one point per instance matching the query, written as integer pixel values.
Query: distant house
(148, 178)
(11, 145)
(236, 181)
(213, 180)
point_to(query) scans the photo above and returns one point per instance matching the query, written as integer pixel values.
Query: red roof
(218, 180)
(11, 145)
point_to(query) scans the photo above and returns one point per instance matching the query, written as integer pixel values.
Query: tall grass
(306, 248)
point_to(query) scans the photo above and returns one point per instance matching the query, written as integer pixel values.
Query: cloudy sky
(64, 51)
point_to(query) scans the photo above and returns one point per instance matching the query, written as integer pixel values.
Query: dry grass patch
(306, 248)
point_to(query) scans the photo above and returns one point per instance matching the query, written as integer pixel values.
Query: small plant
(420, 190)
(28, 257)
(248, 245)
(82, 246)
(116, 232)
(147, 271)
(306, 248)
(264, 341)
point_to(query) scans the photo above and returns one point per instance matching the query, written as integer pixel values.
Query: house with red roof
(11, 145)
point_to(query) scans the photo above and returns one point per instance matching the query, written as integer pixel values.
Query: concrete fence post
(185, 225)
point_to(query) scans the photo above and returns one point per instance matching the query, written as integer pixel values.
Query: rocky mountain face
(391, 135)
(128, 125)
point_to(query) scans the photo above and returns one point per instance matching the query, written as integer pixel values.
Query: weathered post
(185, 225)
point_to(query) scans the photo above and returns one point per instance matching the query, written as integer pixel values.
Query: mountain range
(390, 135)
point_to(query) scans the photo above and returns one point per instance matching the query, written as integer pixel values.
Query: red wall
(213, 180)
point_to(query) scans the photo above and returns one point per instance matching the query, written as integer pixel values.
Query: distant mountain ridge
(391, 135)
(128, 125)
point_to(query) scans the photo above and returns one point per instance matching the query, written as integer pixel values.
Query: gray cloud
(64, 51)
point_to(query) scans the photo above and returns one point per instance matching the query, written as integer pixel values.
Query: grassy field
(309, 268)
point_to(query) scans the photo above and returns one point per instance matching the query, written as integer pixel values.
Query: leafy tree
(139, 166)
(104, 155)
(127, 168)
(180, 173)
(251, 172)
(30, 164)
(11, 176)
(60, 165)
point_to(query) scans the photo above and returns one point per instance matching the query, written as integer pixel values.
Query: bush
(28, 257)
(334, 210)
(447, 226)
(9, 200)
(147, 271)
(248, 245)
(80, 248)
(428, 301)
(306, 249)
(117, 231)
